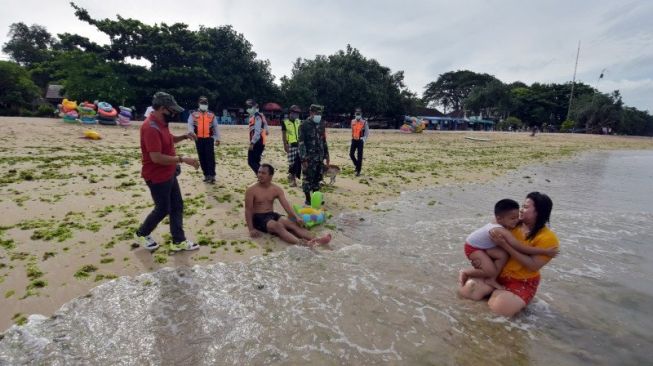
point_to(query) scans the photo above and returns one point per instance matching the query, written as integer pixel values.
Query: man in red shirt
(160, 170)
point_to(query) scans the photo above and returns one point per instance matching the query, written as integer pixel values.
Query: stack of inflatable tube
(68, 111)
(125, 116)
(87, 113)
(106, 114)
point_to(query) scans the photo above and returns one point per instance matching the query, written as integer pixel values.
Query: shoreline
(72, 202)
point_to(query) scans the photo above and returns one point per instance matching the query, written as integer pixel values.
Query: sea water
(387, 292)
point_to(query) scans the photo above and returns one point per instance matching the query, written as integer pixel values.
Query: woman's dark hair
(543, 206)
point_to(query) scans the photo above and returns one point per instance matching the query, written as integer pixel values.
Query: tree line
(219, 62)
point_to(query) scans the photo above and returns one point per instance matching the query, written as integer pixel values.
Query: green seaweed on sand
(85, 271)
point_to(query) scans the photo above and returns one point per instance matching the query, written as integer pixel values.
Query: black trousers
(254, 156)
(167, 202)
(206, 152)
(357, 147)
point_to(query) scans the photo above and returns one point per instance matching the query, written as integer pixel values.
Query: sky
(514, 40)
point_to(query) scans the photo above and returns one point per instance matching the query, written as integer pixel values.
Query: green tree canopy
(17, 90)
(344, 81)
(453, 87)
(216, 62)
(28, 45)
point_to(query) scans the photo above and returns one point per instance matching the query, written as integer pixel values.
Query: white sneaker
(147, 242)
(184, 245)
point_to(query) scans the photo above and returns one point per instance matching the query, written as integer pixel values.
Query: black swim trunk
(261, 220)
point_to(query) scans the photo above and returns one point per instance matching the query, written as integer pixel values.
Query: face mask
(169, 117)
(317, 118)
(204, 107)
(358, 116)
(252, 111)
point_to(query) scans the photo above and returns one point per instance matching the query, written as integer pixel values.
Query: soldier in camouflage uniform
(313, 150)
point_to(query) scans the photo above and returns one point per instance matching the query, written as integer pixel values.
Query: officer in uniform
(204, 124)
(313, 150)
(290, 135)
(359, 132)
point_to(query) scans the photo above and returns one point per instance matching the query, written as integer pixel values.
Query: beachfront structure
(453, 123)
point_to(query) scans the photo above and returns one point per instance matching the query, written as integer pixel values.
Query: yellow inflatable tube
(92, 134)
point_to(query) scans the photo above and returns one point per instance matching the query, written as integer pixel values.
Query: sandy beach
(71, 204)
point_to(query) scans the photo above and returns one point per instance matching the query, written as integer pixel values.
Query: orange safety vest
(202, 123)
(252, 122)
(357, 129)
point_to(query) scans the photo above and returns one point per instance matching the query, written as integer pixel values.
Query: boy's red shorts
(470, 249)
(525, 289)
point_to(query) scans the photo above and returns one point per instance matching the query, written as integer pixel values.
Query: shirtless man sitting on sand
(259, 200)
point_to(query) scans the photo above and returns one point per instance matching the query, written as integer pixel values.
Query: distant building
(53, 94)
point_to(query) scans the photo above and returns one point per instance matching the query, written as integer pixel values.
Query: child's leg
(483, 267)
(500, 257)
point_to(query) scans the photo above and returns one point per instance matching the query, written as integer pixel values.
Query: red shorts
(525, 289)
(470, 249)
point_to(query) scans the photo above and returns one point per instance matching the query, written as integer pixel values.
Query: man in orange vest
(258, 132)
(359, 132)
(204, 125)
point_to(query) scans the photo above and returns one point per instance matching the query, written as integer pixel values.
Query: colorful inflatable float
(125, 116)
(87, 113)
(413, 125)
(106, 114)
(68, 111)
(313, 215)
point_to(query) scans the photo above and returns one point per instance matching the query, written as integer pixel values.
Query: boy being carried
(488, 259)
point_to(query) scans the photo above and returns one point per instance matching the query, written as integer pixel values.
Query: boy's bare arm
(508, 237)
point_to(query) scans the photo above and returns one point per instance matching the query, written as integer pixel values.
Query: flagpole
(571, 95)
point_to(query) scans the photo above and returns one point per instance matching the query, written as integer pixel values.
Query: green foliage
(511, 121)
(453, 87)
(17, 90)
(28, 45)
(597, 111)
(344, 81)
(567, 125)
(88, 77)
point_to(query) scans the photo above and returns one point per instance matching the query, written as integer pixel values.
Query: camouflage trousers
(312, 176)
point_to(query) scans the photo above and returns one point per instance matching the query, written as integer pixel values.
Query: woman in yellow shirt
(520, 276)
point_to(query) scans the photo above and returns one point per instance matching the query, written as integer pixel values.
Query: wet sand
(71, 204)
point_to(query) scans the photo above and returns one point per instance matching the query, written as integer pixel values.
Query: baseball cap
(166, 100)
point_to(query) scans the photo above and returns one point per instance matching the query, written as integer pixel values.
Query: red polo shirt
(156, 137)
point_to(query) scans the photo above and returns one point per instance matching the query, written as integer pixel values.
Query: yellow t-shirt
(544, 239)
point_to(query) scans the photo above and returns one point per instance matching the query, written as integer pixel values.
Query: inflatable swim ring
(69, 105)
(92, 134)
(313, 215)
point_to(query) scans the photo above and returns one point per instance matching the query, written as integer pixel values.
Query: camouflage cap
(166, 100)
(316, 108)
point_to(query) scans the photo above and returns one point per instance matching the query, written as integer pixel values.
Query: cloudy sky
(514, 40)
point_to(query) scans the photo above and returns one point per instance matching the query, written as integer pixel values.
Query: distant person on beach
(520, 277)
(488, 259)
(359, 133)
(313, 150)
(290, 136)
(160, 170)
(261, 218)
(258, 134)
(204, 124)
